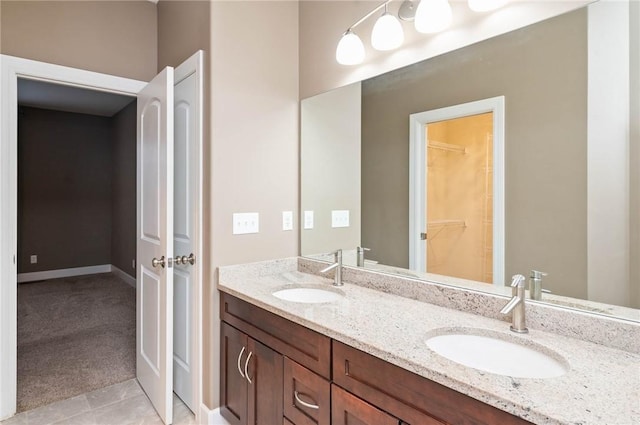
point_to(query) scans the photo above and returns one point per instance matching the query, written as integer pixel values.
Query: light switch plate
(340, 218)
(245, 223)
(308, 220)
(34, 259)
(287, 220)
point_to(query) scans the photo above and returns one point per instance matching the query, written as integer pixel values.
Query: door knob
(191, 259)
(155, 262)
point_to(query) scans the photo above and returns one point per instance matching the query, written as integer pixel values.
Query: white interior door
(187, 204)
(154, 324)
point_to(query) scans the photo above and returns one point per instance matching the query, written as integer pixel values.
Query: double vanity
(296, 349)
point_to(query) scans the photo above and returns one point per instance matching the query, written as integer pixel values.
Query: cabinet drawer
(303, 345)
(414, 399)
(307, 396)
(350, 410)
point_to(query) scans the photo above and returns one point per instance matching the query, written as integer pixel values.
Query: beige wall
(545, 142)
(322, 23)
(112, 37)
(254, 118)
(634, 152)
(183, 29)
(330, 177)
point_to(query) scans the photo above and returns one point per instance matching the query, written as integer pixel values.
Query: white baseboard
(130, 280)
(211, 417)
(54, 274)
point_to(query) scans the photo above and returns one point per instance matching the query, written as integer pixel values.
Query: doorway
(457, 191)
(76, 190)
(459, 220)
(191, 70)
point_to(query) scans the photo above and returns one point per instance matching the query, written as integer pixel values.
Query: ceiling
(45, 95)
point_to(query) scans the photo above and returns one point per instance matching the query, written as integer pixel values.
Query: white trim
(10, 69)
(417, 179)
(58, 273)
(126, 277)
(211, 417)
(195, 65)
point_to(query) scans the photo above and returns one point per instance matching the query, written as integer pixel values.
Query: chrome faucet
(516, 305)
(337, 277)
(360, 259)
(535, 285)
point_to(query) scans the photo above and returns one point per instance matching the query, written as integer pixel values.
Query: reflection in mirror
(571, 164)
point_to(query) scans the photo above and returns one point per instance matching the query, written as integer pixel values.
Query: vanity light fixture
(350, 49)
(485, 5)
(433, 16)
(387, 32)
(430, 16)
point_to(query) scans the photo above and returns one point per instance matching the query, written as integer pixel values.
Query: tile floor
(119, 404)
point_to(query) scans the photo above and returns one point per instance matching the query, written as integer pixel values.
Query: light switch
(34, 259)
(308, 220)
(287, 220)
(244, 223)
(340, 218)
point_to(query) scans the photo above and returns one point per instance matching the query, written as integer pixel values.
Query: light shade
(387, 33)
(350, 49)
(433, 16)
(485, 5)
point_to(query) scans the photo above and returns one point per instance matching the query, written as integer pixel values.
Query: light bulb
(387, 33)
(485, 5)
(433, 16)
(350, 49)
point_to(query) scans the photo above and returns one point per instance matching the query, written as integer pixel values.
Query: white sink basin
(496, 355)
(308, 295)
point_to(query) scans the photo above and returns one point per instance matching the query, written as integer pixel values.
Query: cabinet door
(307, 396)
(348, 409)
(264, 371)
(233, 385)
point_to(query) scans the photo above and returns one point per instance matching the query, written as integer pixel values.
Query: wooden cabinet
(348, 409)
(275, 371)
(250, 371)
(307, 396)
(412, 398)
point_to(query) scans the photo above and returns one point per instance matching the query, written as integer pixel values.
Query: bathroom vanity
(363, 358)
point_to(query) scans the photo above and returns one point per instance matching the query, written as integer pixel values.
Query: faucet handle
(517, 281)
(535, 274)
(361, 248)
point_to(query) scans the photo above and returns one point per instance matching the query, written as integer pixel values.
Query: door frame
(12, 68)
(418, 176)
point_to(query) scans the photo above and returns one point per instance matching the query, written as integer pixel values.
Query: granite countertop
(601, 387)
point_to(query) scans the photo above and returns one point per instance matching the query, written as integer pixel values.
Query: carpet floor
(75, 335)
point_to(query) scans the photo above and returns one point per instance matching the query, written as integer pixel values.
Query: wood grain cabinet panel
(251, 380)
(309, 348)
(233, 385)
(307, 396)
(348, 409)
(416, 400)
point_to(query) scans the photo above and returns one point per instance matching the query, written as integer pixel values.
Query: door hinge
(423, 236)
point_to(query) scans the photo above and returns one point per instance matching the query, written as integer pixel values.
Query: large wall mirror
(542, 175)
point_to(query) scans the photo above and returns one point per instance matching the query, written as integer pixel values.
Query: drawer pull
(246, 365)
(239, 358)
(304, 403)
